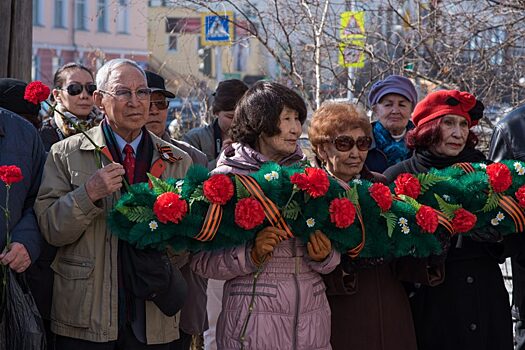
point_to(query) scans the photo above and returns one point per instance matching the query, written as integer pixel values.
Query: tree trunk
(16, 38)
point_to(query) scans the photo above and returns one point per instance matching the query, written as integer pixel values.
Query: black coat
(470, 309)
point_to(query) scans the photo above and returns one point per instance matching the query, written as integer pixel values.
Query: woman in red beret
(470, 309)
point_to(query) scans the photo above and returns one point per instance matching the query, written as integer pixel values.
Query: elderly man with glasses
(98, 301)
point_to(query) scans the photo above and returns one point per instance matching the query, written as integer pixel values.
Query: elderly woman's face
(393, 112)
(454, 131)
(283, 144)
(343, 161)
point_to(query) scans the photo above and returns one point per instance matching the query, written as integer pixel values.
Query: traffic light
(205, 60)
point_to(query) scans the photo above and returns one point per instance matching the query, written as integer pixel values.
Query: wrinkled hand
(16, 256)
(319, 246)
(265, 242)
(105, 181)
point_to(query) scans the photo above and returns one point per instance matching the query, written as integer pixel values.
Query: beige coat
(85, 290)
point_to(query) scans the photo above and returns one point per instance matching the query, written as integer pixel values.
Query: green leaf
(391, 221)
(291, 210)
(242, 192)
(197, 195)
(447, 208)
(427, 180)
(492, 202)
(352, 195)
(410, 201)
(137, 214)
(160, 186)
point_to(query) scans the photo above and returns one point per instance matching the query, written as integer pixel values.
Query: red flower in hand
(169, 207)
(218, 189)
(500, 177)
(314, 181)
(10, 174)
(427, 219)
(36, 92)
(408, 185)
(342, 212)
(463, 220)
(382, 195)
(249, 213)
(520, 196)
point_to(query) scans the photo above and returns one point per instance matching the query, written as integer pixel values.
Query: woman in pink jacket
(289, 309)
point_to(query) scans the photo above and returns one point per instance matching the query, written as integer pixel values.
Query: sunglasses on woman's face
(160, 104)
(76, 89)
(346, 143)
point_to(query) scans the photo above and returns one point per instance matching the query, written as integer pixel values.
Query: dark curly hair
(259, 110)
(428, 134)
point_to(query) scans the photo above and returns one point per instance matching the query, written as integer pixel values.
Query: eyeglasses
(160, 104)
(124, 95)
(346, 143)
(76, 89)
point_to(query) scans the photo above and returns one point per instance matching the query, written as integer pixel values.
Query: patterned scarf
(395, 151)
(67, 129)
(142, 158)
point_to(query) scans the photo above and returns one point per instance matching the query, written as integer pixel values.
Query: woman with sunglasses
(73, 94)
(470, 309)
(370, 309)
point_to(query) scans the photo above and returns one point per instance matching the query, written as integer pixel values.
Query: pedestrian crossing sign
(217, 28)
(352, 25)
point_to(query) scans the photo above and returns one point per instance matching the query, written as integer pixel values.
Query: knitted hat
(12, 97)
(393, 84)
(440, 103)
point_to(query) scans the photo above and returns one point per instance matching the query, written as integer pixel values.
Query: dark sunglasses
(346, 143)
(76, 89)
(160, 104)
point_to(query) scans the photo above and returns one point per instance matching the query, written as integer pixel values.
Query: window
(37, 13)
(60, 13)
(80, 15)
(122, 16)
(172, 43)
(102, 16)
(35, 67)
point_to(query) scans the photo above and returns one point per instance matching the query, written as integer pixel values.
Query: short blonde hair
(333, 118)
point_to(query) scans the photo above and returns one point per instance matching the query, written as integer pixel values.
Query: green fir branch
(351, 194)
(447, 208)
(410, 201)
(242, 192)
(160, 186)
(391, 221)
(492, 202)
(137, 214)
(197, 195)
(427, 180)
(291, 210)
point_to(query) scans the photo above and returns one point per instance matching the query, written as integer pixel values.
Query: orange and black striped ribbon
(270, 209)
(467, 167)
(211, 223)
(166, 153)
(444, 221)
(354, 252)
(511, 207)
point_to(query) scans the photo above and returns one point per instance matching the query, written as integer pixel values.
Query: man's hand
(16, 256)
(226, 143)
(265, 241)
(319, 246)
(105, 181)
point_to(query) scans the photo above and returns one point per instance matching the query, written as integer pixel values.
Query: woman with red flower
(370, 309)
(288, 307)
(470, 309)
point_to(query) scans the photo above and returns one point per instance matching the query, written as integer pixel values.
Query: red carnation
(408, 185)
(342, 212)
(463, 220)
(249, 213)
(314, 181)
(499, 177)
(427, 219)
(36, 92)
(382, 195)
(218, 189)
(520, 196)
(10, 174)
(169, 207)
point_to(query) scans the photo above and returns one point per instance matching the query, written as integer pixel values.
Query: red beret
(440, 103)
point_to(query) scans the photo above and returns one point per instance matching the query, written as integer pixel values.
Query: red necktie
(129, 163)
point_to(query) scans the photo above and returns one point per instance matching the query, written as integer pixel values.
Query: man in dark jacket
(508, 143)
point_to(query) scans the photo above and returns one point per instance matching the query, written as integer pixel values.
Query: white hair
(105, 71)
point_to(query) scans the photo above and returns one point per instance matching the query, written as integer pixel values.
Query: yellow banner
(352, 54)
(352, 25)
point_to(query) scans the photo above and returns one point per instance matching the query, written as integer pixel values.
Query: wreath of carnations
(207, 212)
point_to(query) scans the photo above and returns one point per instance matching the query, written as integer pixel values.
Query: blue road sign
(217, 29)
